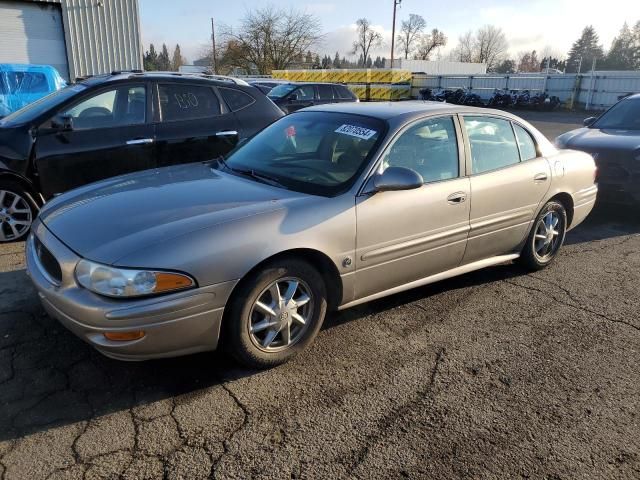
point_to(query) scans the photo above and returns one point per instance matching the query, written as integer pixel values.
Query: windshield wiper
(249, 172)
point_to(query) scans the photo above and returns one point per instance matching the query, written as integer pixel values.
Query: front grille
(47, 261)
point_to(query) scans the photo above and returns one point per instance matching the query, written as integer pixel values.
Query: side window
(526, 143)
(112, 108)
(236, 99)
(305, 92)
(429, 147)
(325, 92)
(493, 144)
(187, 102)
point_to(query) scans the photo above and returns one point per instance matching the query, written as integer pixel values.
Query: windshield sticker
(354, 131)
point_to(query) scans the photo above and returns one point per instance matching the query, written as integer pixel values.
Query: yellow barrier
(381, 92)
(360, 75)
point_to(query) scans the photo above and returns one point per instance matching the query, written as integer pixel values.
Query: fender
(36, 196)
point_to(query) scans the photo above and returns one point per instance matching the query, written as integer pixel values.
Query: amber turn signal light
(124, 336)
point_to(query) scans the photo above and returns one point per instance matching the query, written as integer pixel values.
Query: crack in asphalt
(225, 442)
(395, 414)
(576, 306)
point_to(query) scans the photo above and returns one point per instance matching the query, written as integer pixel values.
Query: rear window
(236, 99)
(325, 92)
(187, 102)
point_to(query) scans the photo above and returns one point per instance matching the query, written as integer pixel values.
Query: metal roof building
(78, 37)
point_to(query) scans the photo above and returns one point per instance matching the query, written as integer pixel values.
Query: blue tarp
(22, 84)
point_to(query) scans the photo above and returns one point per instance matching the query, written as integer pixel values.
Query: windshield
(33, 110)
(311, 152)
(625, 115)
(282, 91)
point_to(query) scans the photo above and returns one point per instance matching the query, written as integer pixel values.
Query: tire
(543, 244)
(246, 336)
(17, 211)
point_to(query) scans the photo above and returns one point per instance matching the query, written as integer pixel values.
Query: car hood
(105, 221)
(592, 139)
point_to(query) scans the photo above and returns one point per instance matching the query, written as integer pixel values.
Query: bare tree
(464, 51)
(367, 38)
(271, 38)
(429, 42)
(410, 33)
(487, 45)
(490, 46)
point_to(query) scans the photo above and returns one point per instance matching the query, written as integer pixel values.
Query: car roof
(389, 110)
(167, 76)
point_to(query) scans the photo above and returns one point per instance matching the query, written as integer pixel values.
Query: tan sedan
(327, 208)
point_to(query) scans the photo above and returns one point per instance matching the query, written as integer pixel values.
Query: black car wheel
(275, 313)
(546, 237)
(17, 211)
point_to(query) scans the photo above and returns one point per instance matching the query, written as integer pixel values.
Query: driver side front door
(110, 136)
(403, 236)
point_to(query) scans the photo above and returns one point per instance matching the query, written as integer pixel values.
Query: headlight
(124, 282)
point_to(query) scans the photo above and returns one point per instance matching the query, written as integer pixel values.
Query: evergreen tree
(177, 60)
(164, 63)
(584, 50)
(316, 60)
(369, 63)
(336, 61)
(360, 63)
(624, 52)
(150, 59)
(506, 66)
(308, 58)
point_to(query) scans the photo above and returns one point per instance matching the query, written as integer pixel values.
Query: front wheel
(275, 313)
(17, 212)
(546, 237)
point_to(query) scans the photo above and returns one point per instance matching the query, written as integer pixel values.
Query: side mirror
(62, 123)
(397, 178)
(587, 122)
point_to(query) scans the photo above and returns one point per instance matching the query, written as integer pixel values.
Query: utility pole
(393, 29)
(213, 54)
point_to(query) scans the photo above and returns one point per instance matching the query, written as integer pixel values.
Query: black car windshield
(624, 115)
(319, 153)
(282, 91)
(35, 109)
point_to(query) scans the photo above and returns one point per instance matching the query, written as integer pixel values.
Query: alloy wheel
(281, 314)
(548, 236)
(15, 216)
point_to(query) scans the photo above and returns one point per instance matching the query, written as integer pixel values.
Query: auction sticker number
(355, 131)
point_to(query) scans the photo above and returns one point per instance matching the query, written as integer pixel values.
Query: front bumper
(176, 324)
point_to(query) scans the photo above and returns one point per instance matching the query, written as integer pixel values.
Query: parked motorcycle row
(500, 98)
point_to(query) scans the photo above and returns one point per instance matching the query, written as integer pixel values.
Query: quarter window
(493, 144)
(526, 143)
(112, 108)
(187, 102)
(429, 147)
(236, 99)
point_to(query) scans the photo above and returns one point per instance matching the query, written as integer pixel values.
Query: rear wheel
(546, 237)
(275, 314)
(17, 211)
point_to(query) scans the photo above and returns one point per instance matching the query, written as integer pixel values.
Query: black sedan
(114, 124)
(613, 139)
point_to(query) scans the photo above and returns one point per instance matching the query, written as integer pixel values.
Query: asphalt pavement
(498, 374)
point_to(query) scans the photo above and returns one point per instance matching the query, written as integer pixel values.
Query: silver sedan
(325, 209)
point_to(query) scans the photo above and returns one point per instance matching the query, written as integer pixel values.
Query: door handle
(140, 141)
(227, 133)
(457, 198)
(541, 177)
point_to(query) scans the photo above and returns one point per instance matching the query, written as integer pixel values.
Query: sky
(549, 26)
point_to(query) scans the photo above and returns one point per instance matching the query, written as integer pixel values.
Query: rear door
(110, 136)
(193, 124)
(509, 180)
